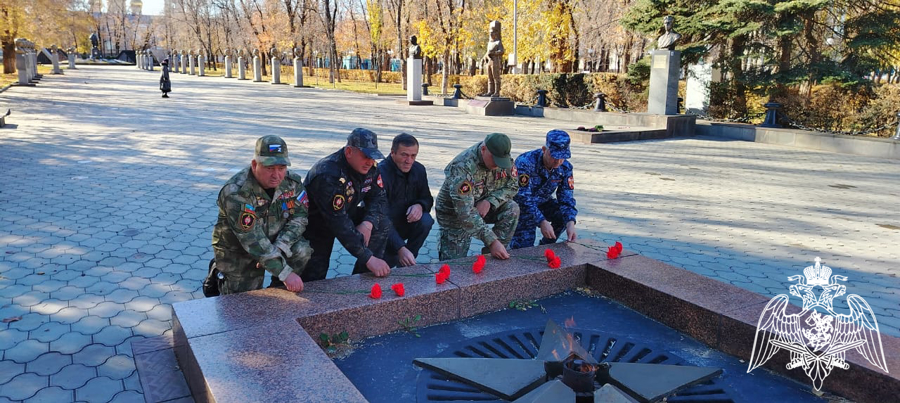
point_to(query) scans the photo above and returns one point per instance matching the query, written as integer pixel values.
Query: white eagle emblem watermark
(817, 341)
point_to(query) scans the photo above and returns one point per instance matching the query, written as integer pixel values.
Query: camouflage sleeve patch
(248, 218)
(523, 180)
(514, 171)
(465, 188)
(338, 202)
(571, 182)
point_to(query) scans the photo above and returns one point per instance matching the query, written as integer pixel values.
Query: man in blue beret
(543, 174)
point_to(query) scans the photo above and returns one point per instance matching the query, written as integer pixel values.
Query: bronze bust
(415, 51)
(668, 39)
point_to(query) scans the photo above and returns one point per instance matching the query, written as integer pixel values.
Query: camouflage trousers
(455, 240)
(240, 274)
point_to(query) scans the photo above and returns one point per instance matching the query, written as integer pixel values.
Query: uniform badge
(366, 189)
(523, 180)
(337, 202)
(465, 188)
(249, 209)
(349, 191)
(572, 182)
(247, 220)
(514, 171)
(342, 180)
(380, 183)
(303, 199)
(260, 202)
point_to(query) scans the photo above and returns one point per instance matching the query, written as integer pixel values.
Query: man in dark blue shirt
(543, 173)
(409, 201)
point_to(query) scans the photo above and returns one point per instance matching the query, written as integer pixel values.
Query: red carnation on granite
(614, 251)
(398, 288)
(478, 266)
(376, 292)
(443, 274)
(553, 261)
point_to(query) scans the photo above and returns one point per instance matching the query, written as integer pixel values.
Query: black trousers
(414, 234)
(321, 239)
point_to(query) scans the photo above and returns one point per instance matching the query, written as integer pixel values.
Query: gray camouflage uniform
(469, 181)
(254, 228)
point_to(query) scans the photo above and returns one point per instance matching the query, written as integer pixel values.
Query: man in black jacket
(409, 201)
(346, 201)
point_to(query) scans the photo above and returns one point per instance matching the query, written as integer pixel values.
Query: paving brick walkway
(107, 202)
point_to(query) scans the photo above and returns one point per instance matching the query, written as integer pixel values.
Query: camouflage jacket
(537, 185)
(252, 223)
(468, 181)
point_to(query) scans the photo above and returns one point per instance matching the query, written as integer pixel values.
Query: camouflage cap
(271, 150)
(367, 141)
(499, 146)
(558, 144)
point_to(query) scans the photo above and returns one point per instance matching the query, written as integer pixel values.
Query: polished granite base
(261, 343)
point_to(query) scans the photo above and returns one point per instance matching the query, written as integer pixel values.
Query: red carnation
(440, 278)
(398, 288)
(618, 246)
(445, 269)
(548, 253)
(376, 292)
(478, 266)
(554, 262)
(614, 251)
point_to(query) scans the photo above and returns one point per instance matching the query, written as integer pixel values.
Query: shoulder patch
(248, 218)
(379, 182)
(514, 171)
(338, 202)
(465, 188)
(523, 180)
(303, 199)
(571, 181)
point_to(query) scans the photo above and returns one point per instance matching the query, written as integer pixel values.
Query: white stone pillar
(22, 67)
(184, 62)
(72, 59)
(242, 68)
(201, 60)
(664, 72)
(298, 72)
(699, 78)
(257, 70)
(55, 59)
(227, 66)
(413, 79)
(193, 64)
(149, 60)
(174, 60)
(139, 61)
(276, 70)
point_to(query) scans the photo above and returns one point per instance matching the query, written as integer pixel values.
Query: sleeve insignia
(465, 188)
(349, 191)
(303, 199)
(572, 182)
(380, 183)
(248, 208)
(247, 220)
(337, 202)
(342, 180)
(514, 171)
(523, 180)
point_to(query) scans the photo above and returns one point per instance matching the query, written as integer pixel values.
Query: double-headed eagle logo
(817, 340)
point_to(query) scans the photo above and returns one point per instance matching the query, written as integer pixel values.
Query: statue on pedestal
(668, 39)
(493, 60)
(415, 51)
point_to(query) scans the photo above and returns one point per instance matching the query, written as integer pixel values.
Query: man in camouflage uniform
(543, 173)
(478, 190)
(262, 216)
(347, 202)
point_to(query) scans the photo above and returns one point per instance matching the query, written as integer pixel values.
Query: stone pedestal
(55, 60)
(491, 106)
(413, 79)
(276, 70)
(664, 72)
(699, 77)
(184, 64)
(193, 64)
(242, 69)
(174, 60)
(257, 70)
(201, 61)
(298, 72)
(227, 66)
(150, 62)
(22, 69)
(72, 60)
(139, 61)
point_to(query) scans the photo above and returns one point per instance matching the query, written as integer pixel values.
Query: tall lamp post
(515, 55)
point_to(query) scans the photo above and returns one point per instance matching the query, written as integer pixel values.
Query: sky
(152, 7)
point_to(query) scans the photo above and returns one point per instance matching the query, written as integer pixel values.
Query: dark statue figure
(415, 51)
(493, 60)
(668, 39)
(95, 40)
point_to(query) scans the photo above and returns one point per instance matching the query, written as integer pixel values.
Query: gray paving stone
(14, 290)
(100, 389)
(106, 309)
(93, 355)
(134, 283)
(162, 312)
(133, 383)
(67, 293)
(122, 295)
(49, 306)
(128, 396)
(29, 321)
(9, 369)
(90, 325)
(10, 311)
(112, 335)
(176, 296)
(117, 367)
(48, 332)
(127, 318)
(83, 281)
(23, 386)
(116, 277)
(142, 304)
(53, 394)
(48, 364)
(70, 343)
(73, 376)
(69, 315)
(101, 288)
(151, 327)
(155, 290)
(86, 301)
(30, 298)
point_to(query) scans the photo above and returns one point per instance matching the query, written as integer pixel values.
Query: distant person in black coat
(164, 84)
(409, 201)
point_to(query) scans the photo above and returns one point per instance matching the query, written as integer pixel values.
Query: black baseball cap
(367, 141)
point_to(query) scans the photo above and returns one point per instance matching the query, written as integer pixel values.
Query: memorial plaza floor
(108, 198)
